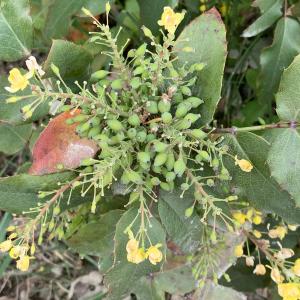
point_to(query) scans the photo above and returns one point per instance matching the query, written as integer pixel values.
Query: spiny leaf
(206, 35)
(59, 144)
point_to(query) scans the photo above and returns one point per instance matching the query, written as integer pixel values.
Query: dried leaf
(58, 145)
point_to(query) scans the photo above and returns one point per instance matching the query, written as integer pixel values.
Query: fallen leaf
(59, 145)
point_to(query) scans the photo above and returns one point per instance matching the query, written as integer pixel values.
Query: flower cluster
(136, 254)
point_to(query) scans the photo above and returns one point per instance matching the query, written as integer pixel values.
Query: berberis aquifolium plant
(141, 141)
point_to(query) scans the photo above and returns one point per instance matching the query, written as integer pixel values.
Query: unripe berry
(135, 82)
(144, 157)
(166, 117)
(117, 84)
(98, 75)
(115, 125)
(198, 134)
(155, 181)
(179, 166)
(134, 120)
(141, 136)
(205, 156)
(164, 106)
(170, 176)
(160, 159)
(131, 133)
(160, 146)
(182, 109)
(194, 101)
(170, 161)
(192, 117)
(152, 107)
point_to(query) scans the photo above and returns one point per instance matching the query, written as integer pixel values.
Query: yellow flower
(239, 217)
(15, 252)
(278, 232)
(6, 245)
(257, 220)
(23, 263)
(276, 276)
(296, 267)
(17, 80)
(170, 20)
(238, 250)
(244, 164)
(154, 254)
(202, 8)
(289, 291)
(260, 269)
(257, 234)
(10, 228)
(136, 256)
(132, 245)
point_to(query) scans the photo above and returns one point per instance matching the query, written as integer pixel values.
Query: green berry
(164, 106)
(160, 159)
(135, 83)
(139, 70)
(170, 161)
(166, 186)
(170, 176)
(93, 132)
(134, 120)
(192, 117)
(156, 170)
(205, 156)
(182, 109)
(155, 181)
(115, 125)
(150, 137)
(184, 186)
(141, 136)
(96, 76)
(194, 101)
(186, 91)
(160, 146)
(179, 166)
(140, 51)
(198, 134)
(83, 127)
(80, 118)
(134, 177)
(95, 121)
(210, 182)
(166, 117)
(144, 157)
(183, 124)
(131, 133)
(117, 84)
(152, 107)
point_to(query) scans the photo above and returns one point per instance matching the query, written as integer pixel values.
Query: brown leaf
(59, 144)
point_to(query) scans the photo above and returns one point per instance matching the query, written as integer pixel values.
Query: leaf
(284, 162)
(206, 35)
(258, 187)
(184, 232)
(15, 30)
(14, 138)
(279, 55)
(96, 237)
(11, 112)
(151, 11)
(20, 193)
(288, 95)
(72, 60)
(123, 276)
(212, 291)
(271, 12)
(59, 144)
(59, 17)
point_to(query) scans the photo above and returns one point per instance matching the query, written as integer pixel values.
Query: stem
(234, 130)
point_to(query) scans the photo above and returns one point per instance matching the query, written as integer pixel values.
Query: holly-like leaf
(279, 55)
(258, 187)
(123, 276)
(288, 95)
(284, 162)
(271, 12)
(14, 138)
(20, 193)
(73, 61)
(184, 232)
(58, 145)
(59, 17)
(96, 237)
(207, 37)
(15, 30)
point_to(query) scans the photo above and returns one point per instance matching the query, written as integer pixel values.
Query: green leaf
(72, 60)
(96, 237)
(288, 95)
(271, 12)
(212, 291)
(123, 276)
(284, 162)
(184, 232)
(59, 17)
(151, 11)
(20, 193)
(258, 187)
(148, 289)
(11, 112)
(15, 30)
(279, 55)
(14, 138)
(206, 35)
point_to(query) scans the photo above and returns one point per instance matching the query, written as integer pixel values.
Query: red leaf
(59, 144)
